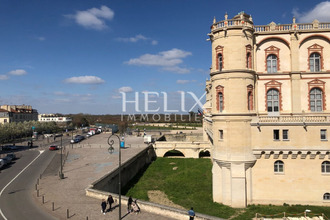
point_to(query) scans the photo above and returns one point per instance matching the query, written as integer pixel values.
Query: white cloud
(137, 38)
(183, 81)
(84, 80)
(319, 12)
(177, 69)
(18, 72)
(169, 60)
(125, 89)
(4, 77)
(93, 18)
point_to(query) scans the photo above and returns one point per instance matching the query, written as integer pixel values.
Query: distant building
(17, 113)
(267, 112)
(53, 117)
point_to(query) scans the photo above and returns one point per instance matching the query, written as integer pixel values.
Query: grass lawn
(189, 184)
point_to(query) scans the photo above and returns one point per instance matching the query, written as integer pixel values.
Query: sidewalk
(87, 162)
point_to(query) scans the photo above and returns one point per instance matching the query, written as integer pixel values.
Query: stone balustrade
(293, 119)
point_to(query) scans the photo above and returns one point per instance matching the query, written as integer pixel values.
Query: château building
(267, 112)
(17, 113)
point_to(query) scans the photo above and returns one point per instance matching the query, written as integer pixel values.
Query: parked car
(7, 160)
(9, 147)
(53, 147)
(12, 156)
(2, 163)
(77, 139)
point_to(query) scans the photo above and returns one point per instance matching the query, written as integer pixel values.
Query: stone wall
(109, 182)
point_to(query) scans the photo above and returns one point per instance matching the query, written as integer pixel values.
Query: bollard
(36, 186)
(38, 181)
(40, 176)
(67, 213)
(86, 217)
(53, 206)
(43, 199)
(37, 192)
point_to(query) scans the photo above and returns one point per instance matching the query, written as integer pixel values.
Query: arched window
(325, 167)
(220, 101)
(271, 63)
(316, 100)
(278, 166)
(326, 196)
(248, 61)
(272, 100)
(220, 61)
(314, 62)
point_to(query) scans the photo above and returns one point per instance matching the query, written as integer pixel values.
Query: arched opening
(205, 153)
(173, 153)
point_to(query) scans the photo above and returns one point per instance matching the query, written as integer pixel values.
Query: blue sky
(76, 56)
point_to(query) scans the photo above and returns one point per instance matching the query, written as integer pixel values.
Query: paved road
(18, 180)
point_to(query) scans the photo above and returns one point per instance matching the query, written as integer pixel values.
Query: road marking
(1, 213)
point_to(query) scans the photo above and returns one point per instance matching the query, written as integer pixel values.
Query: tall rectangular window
(221, 134)
(285, 134)
(323, 134)
(276, 135)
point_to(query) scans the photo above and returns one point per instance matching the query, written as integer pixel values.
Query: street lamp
(111, 150)
(61, 172)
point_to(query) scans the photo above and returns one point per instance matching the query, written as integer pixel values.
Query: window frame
(314, 93)
(323, 134)
(315, 61)
(220, 61)
(220, 134)
(279, 167)
(287, 134)
(272, 63)
(276, 135)
(326, 196)
(220, 96)
(272, 100)
(325, 167)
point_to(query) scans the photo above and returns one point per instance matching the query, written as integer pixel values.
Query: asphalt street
(18, 182)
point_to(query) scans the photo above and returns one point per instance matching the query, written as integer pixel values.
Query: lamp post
(61, 172)
(111, 150)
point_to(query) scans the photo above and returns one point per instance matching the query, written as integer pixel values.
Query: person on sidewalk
(191, 214)
(129, 204)
(104, 206)
(110, 201)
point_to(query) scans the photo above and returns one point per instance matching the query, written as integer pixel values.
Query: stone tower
(230, 111)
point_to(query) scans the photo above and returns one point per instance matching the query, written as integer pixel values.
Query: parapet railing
(291, 27)
(270, 27)
(294, 119)
(232, 23)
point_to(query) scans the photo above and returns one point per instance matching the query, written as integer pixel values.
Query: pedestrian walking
(104, 206)
(110, 201)
(191, 213)
(129, 204)
(135, 207)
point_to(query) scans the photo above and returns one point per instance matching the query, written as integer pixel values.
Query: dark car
(9, 147)
(7, 160)
(12, 156)
(53, 147)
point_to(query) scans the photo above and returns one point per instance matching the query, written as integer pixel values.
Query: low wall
(184, 137)
(129, 170)
(150, 207)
